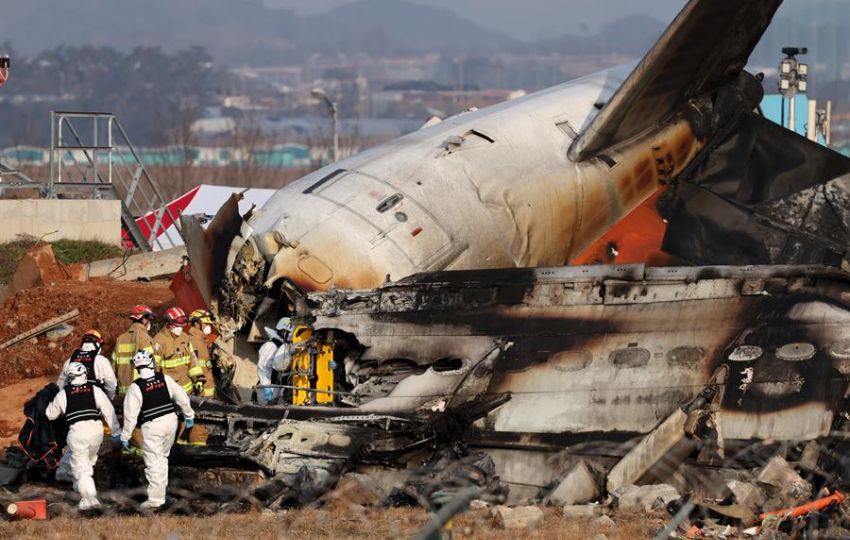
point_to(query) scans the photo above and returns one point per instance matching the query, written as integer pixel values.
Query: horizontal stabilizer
(765, 195)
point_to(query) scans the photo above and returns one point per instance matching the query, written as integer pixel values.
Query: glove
(268, 394)
(189, 423)
(198, 386)
(332, 365)
(125, 445)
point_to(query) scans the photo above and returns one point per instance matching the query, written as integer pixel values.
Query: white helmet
(143, 359)
(281, 330)
(76, 373)
(284, 323)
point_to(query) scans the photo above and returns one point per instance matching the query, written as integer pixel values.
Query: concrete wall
(73, 219)
(156, 264)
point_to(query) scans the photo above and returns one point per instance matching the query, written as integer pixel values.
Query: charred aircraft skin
(613, 349)
(559, 363)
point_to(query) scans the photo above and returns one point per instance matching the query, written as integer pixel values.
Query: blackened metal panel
(744, 203)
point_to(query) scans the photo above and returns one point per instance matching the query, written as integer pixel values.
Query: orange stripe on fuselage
(636, 238)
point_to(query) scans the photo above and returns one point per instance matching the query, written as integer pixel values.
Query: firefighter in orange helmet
(173, 350)
(200, 332)
(136, 338)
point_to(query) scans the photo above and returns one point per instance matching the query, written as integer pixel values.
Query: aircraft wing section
(705, 47)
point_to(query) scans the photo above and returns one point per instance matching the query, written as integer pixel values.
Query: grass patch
(75, 251)
(10, 255)
(66, 251)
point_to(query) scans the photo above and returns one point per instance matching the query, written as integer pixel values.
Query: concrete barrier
(73, 219)
(156, 264)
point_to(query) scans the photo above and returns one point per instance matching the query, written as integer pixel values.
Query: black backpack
(41, 439)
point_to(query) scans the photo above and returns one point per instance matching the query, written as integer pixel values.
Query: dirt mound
(12, 412)
(103, 305)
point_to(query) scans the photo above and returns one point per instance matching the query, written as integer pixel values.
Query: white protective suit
(84, 439)
(271, 358)
(102, 371)
(157, 435)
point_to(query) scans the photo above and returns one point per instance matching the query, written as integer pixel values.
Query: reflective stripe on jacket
(174, 355)
(126, 346)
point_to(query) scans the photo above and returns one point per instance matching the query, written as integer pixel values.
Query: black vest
(86, 358)
(81, 404)
(156, 401)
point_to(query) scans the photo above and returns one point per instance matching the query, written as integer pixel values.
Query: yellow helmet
(301, 334)
(202, 315)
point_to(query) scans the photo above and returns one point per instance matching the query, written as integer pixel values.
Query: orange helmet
(142, 312)
(93, 336)
(176, 317)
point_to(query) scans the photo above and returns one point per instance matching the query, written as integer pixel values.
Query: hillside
(244, 32)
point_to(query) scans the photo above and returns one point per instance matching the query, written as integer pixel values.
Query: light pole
(793, 78)
(318, 93)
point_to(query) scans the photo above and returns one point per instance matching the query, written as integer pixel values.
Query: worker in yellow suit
(200, 330)
(173, 352)
(136, 338)
(313, 368)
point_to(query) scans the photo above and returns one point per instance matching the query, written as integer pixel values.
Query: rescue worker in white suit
(274, 356)
(83, 405)
(98, 366)
(99, 371)
(150, 403)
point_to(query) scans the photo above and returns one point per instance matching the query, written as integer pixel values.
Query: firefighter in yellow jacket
(136, 339)
(200, 330)
(173, 351)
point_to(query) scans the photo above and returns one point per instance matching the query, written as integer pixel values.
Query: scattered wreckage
(572, 385)
(584, 361)
(567, 385)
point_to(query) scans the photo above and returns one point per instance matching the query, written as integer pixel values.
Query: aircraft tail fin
(705, 47)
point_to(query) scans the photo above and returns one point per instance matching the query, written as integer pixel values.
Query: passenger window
(444, 365)
(567, 361)
(746, 353)
(631, 357)
(685, 356)
(796, 352)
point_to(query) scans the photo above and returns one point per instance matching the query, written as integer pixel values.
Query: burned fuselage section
(612, 349)
(539, 367)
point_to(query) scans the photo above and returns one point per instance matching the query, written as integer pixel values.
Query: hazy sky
(527, 19)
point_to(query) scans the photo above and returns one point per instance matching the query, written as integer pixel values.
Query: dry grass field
(335, 523)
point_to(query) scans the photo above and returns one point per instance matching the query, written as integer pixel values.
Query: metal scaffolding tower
(106, 166)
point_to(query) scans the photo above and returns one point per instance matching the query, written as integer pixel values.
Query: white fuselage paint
(517, 201)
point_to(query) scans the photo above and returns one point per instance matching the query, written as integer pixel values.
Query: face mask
(176, 330)
(207, 329)
(88, 347)
(146, 372)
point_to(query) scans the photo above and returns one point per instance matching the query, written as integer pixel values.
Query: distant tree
(151, 91)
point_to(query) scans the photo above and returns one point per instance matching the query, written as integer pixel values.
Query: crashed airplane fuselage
(537, 360)
(527, 183)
